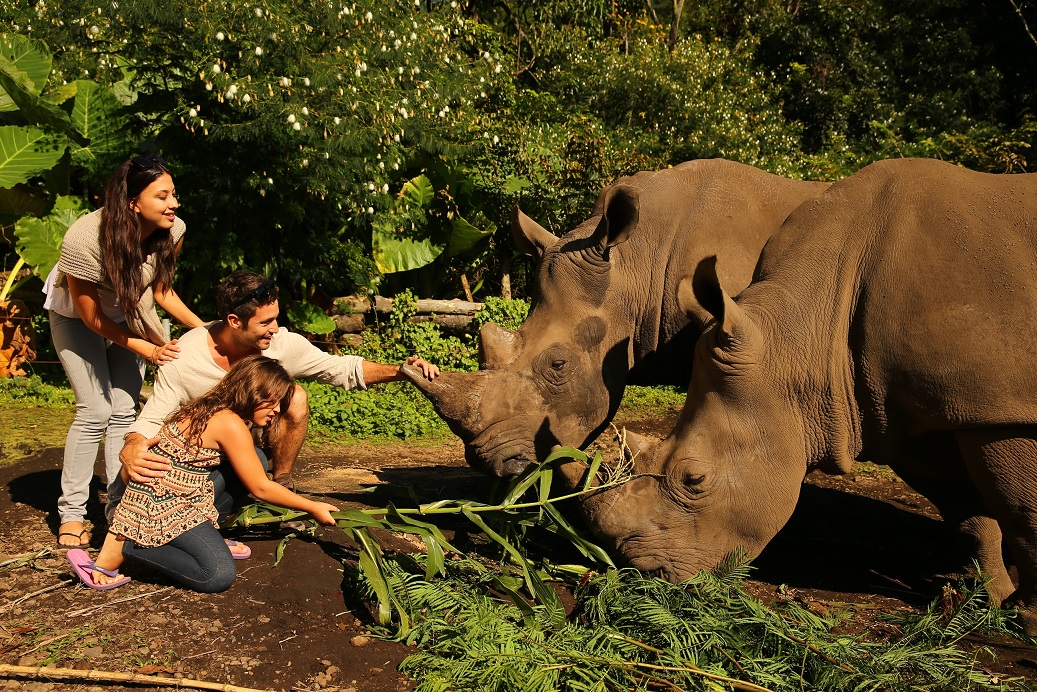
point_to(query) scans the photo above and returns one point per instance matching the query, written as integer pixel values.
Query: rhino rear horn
(530, 237)
(497, 346)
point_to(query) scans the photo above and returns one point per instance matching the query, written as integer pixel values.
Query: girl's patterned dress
(154, 513)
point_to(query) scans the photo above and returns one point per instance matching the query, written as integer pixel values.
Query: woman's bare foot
(110, 558)
(73, 534)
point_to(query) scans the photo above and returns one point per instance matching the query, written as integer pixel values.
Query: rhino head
(729, 474)
(560, 377)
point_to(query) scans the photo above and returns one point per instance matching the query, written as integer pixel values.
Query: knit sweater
(195, 372)
(81, 258)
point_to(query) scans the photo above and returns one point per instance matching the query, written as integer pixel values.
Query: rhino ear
(619, 216)
(707, 296)
(689, 304)
(530, 237)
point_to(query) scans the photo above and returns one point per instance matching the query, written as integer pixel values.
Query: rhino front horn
(453, 394)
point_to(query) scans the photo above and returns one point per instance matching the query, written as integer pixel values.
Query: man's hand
(429, 370)
(140, 462)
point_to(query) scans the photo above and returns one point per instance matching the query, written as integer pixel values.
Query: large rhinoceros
(892, 319)
(605, 302)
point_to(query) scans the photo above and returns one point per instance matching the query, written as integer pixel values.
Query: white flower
(447, 59)
(305, 110)
(483, 94)
(296, 126)
(442, 114)
(208, 86)
(453, 5)
(259, 12)
(381, 164)
(369, 16)
(285, 82)
(94, 31)
(400, 70)
(496, 139)
(306, 81)
(291, 117)
(337, 120)
(232, 89)
(216, 69)
(269, 181)
(396, 136)
(193, 113)
(385, 188)
(370, 210)
(259, 51)
(497, 69)
(246, 98)
(396, 166)
(370, 186)
(305, 162)
(413, 36)
(219, 36)
(358, 72)
(403, 112)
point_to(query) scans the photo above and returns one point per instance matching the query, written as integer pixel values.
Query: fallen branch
(34, 594)
(84, 611)
(9, 671)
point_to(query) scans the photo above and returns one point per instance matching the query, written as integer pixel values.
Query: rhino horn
(452, 395)
(497, 346)
(530, 237)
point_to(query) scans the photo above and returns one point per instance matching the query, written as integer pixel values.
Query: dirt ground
(864, 538)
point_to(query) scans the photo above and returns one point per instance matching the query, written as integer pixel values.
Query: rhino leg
(1003, 464)
(978, 533)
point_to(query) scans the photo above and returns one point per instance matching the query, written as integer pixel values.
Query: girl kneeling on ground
(170, 523)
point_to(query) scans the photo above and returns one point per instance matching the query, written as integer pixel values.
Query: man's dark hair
(242, 293)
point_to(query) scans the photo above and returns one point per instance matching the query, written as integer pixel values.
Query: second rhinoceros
(605, 303)
(892, 319)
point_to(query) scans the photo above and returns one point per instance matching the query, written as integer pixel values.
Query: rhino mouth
(499, 451)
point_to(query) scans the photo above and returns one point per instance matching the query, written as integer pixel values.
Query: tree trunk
(678, 9)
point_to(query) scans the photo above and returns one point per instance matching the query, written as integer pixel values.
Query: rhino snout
(502, 449)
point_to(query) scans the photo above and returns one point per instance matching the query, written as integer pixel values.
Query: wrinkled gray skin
(605, 303)
(893, 319)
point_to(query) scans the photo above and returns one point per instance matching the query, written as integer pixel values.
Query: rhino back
(689, 212)
(913, 284)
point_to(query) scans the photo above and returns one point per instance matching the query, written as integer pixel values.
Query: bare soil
(864, 539)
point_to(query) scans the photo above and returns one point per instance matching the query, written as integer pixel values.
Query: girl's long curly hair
(121, 251)
(252, 381)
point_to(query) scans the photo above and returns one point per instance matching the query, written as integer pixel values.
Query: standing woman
(116, 264)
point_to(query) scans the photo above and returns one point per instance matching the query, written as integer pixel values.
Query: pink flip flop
(83, 566)
(238, 556)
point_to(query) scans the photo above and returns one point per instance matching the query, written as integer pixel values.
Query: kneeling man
(248, 309)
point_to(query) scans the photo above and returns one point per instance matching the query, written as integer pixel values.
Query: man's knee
(299, 410)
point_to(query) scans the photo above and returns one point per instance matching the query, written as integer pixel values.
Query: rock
(28, 661)
(376, 670)
(93, 652)
(263, 618)
(360, 640)
(332, 670)
(325, 663)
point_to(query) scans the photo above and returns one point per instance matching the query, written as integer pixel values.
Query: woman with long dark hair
(170, 524)
(116, 264)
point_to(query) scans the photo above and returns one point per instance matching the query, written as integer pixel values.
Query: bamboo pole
(9, 671)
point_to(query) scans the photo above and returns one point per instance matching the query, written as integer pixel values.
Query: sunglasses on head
(261, 293)
(148, 161)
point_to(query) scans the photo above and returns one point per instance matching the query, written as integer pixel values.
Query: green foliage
(639, 402)
(307, 317)
(388, 410)
(509, 314)
(39, 239)
(33, 391)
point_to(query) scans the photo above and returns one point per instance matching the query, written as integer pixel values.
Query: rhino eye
(558, 365)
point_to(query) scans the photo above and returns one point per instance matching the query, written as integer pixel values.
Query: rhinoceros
(893, 319)
(605, 303)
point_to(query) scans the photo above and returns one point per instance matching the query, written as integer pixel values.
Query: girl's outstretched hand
(321, 511)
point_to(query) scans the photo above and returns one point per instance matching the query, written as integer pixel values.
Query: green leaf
(97, 115)
(17, 202)
(30, 58)
(26, 151)
(396, 253)
(122, 89)
(307, 317)
(418, 192)
(39, 240)
(514, 184)
(61, 93)
(33, 108)
(464, 236)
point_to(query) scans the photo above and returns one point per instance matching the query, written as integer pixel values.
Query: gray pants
(106, 380)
